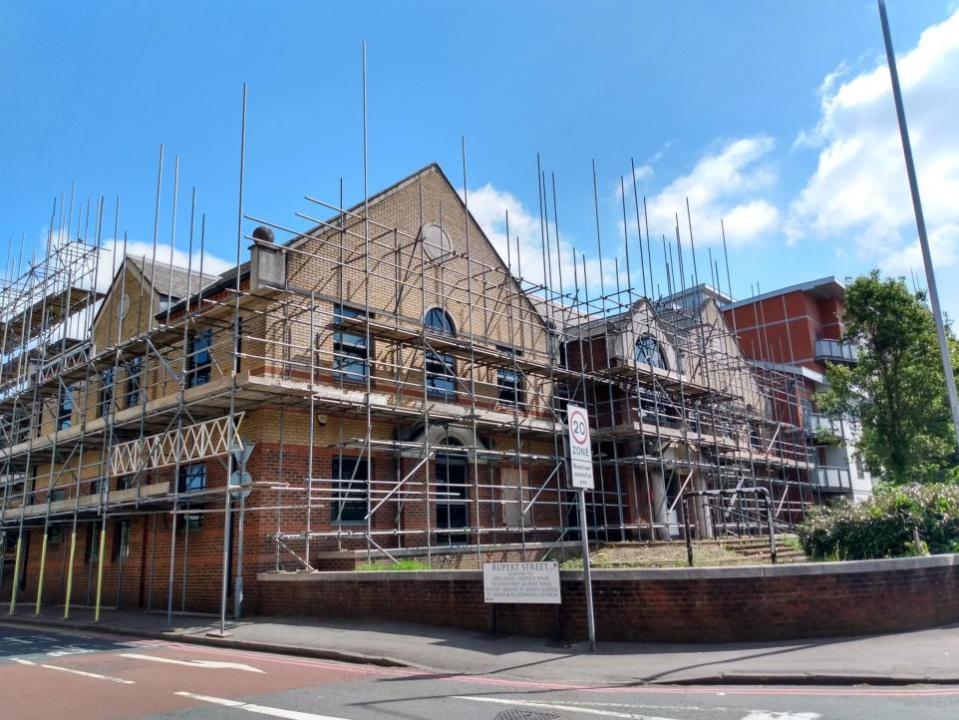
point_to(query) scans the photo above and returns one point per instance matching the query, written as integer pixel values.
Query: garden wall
(674, 605)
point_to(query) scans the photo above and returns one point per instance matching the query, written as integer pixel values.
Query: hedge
(898, 521)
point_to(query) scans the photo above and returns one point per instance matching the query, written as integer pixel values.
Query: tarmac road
(84, 676)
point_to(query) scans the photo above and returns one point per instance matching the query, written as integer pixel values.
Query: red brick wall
(713, 605)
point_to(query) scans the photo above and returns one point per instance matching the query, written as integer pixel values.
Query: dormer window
(650, 352)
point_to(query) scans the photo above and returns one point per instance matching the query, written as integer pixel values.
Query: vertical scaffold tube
(43, 564)
(16, 575)
(103, 539)
(73, 552)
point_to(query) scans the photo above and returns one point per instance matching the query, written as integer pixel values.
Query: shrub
(898, 521)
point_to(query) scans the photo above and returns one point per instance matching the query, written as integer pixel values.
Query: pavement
(94, 675)
(925, 656)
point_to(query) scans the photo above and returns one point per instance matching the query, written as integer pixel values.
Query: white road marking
(258, 709)
(97, 676)
(61, 650)
(764, 715)
(211, 664)
(648, 707)
(564, 707)
(83, 673)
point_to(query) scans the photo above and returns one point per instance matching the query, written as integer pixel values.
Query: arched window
(438, 320)
(650, 352)
(440, 367)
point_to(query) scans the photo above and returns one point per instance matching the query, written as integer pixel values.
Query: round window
(436, 242)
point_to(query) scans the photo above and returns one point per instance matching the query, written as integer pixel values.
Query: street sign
(521, 582)
(580, 449)
(242, 454)
(240, 484)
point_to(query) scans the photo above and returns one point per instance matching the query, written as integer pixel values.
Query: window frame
(439, 367)
(134, 383)
(646, 348)
(199, 372)
(122, 532)
(107, 392)
(340, 506)
(512, 393)
(185, 482)
(64, 413)
(446, 326)
(351, 349)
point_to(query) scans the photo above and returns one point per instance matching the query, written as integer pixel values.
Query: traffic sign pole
(581, 478)
(587, 573)
(243, 483)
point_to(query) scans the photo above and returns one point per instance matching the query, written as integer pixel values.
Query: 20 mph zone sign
(580, 450)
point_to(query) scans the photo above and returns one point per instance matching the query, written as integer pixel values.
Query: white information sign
(521, 582)
(580, 449)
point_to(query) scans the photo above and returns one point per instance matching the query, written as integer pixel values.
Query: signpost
(240, 486)
(581, 478)
(521, 582)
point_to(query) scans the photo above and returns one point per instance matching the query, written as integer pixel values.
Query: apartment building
(797, 330)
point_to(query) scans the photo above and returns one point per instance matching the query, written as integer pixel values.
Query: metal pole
(772, 528)
(43, 563)
(236, 314)
(73, 552)
(587, 574)
(103, 540)
(920, 222)
(238, 580)
(686, 531)
(16, 573)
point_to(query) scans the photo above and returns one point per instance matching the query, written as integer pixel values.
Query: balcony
(836, 351)
(814, 423)
(834, 479)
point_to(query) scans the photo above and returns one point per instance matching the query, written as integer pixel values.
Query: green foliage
(390, 566)
(901, 520)
(897, 389)
(824, 436)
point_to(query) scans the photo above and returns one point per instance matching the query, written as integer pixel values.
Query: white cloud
(643, 173)
(859, 194)
(489, 206)
(111, 256)
(728, 185)
(944, 246)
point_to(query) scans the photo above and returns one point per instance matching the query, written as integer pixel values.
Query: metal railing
(816, 422)
(836, 351)
(832, 478)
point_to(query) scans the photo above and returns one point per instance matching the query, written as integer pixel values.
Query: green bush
(899, 521)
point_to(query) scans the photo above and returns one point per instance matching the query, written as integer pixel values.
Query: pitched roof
(172, 280)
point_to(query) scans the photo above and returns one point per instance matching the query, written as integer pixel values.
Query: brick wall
(703, 604)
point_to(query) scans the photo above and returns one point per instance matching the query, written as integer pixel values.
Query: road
(64, 674)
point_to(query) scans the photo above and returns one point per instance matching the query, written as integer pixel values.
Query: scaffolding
(401, 386)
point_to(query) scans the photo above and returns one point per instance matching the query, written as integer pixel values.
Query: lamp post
(920, 222)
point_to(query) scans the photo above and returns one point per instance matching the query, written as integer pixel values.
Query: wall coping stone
(620, 575)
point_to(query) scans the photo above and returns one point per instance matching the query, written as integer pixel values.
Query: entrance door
(452, 499)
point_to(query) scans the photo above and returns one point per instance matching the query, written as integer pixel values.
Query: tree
(896, 390)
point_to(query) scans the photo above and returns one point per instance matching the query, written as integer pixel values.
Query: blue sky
(770, 115)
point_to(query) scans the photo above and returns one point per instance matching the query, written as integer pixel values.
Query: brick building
(797, 330)
(377, 386)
